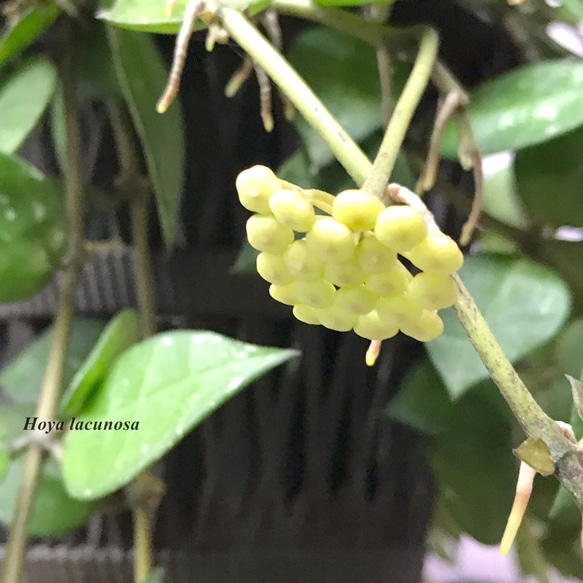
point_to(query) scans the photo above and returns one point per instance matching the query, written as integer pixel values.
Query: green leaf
(501, 199)
(97, 78)
(524, 107)
(13, 419)
(422, 401)
(164, 386)
(54, 511)
(22, 378)
(474, 467)
(549, 178)
(121, 333)
(571, 11)
(151, 15)
(144, 15)
(32, 228)
(343, 72)
(155, 576)
(569, 349)
(24, 32)
(24, 96)
(142, 75)
(524, 304)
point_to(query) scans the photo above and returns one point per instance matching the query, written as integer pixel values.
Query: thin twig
(427, 179)
(379, 13)
(193, 10)
(51, 387)
(239, 77)
(264, 97)
(270, 21)
(469, 152)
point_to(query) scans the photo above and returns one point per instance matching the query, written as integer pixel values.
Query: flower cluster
(342, 269)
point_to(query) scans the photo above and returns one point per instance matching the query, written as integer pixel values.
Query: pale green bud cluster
(343, 271)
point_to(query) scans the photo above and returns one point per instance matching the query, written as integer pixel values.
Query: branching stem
(535, 422)
(376, 181)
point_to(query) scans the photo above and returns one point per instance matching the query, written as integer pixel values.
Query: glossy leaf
(144, 15)
(151, 15)
(501, 198)
(32, 228)
(54, 512)
(549, 178)
(524, 107)
(422, 401)
(166, 385)
(343, 72)
(142, 76)
(23, 33)
(24, 96)
(121, 333)
(474, 467)
(524, 304)
(21, 379)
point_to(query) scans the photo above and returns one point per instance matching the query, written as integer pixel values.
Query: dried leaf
(536, 454)
(577, 390)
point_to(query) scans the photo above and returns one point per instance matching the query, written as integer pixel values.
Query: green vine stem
(535, 422)
(51, 386)
(376, 181)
